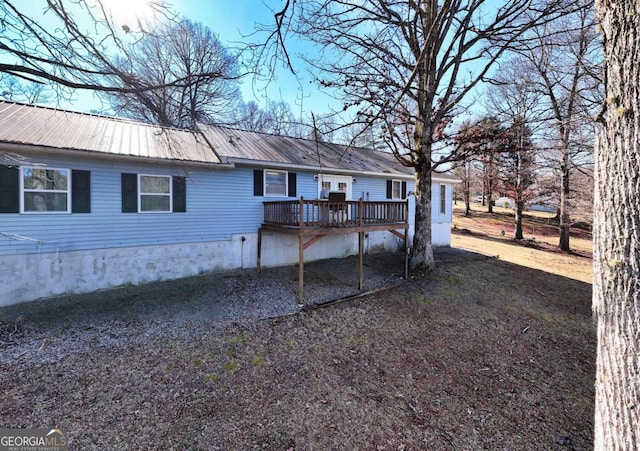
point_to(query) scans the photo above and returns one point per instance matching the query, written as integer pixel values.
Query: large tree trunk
(616, 287)
(422, 256)
(564, 213)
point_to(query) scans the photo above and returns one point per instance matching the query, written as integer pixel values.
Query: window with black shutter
(274, 183)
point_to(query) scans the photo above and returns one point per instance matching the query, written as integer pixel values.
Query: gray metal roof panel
(55, 128)
(261, 147)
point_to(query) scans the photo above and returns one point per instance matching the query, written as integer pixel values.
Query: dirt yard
(482, 353)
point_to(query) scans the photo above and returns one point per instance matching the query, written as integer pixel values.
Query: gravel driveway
(47, 330)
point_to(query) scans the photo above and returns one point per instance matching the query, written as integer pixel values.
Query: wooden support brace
(398, 234)
(313, 241)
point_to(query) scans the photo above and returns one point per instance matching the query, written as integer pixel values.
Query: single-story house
(89, 202)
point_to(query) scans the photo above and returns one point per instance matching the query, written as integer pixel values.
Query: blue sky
(234, 21)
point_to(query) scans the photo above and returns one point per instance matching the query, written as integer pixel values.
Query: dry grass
(480, 354)
(482, 232)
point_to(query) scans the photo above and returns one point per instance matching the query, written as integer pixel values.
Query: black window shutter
(258, 182)
(9, 190)
(129, 193)
(292, 184)
(179, 194)
(389, 189)
(404, 190)
(80, 191)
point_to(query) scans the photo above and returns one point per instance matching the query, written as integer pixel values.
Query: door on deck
(342, 183)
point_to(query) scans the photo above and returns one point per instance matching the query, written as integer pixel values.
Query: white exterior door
(335, 183)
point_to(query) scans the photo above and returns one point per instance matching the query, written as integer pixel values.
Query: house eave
(46, 150)
(326, 170)
(311, 168)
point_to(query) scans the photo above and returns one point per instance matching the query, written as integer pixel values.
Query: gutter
(328, 170)
(61, 151)
(321, 169)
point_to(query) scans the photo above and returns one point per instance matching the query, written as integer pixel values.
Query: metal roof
(59, 129)
(56, 129)
(233, 145)
(238, 146)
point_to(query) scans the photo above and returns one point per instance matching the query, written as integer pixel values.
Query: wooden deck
(338, 217)
(311, 220)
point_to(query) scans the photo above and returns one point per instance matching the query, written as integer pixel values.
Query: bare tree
(69, 54)
(562, 62)
(178, 49)
(252, 118)
(407, 65)
(616, 287)
(517, 171)
(487, 138)
(276, 118)
(464, 171)
(482, 142)
(14, 90)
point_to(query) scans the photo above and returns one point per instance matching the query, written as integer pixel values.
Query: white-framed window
(155, 193)
(275, 183)
(45, 190)
(396, 189)
(443, 199)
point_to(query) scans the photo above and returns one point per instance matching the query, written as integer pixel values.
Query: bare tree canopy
(276, 118)
(562, 62)
(409, 66)
(14, 90)
(481, 143)
(80, 47)
(178, 50)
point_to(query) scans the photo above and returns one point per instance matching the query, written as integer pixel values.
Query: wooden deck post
(259, 247)
(361, 260)
(301, 253)
(361, 246)
(300, 270)
(406, 253)
(406, 240)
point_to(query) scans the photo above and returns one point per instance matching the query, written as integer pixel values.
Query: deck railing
(324, 213)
